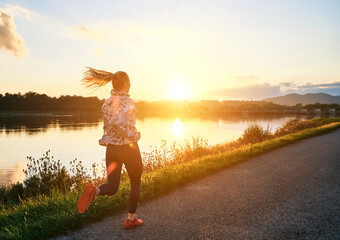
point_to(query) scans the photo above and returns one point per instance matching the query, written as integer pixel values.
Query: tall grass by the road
(53, 210)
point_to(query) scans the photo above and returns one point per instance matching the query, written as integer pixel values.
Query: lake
(76, 136)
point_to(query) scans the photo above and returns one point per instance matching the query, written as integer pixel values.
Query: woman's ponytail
(94, 78)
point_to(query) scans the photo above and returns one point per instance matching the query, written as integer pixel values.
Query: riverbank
(288, 193)
(46, 215)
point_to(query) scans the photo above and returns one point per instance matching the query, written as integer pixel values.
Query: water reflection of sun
(177, 128)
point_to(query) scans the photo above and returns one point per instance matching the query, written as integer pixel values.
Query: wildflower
(74, 185)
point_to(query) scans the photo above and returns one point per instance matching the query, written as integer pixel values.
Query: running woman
(120, 139)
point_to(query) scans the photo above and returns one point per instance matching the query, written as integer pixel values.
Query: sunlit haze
(188, 50)
(178, 91)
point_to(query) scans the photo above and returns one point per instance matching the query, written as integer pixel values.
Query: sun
(178, 91)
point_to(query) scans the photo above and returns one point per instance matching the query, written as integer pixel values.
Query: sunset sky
(172, 49)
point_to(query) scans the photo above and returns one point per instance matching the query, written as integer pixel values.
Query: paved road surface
(289, 193)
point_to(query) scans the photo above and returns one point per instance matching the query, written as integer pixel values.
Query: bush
(174, 154)
(12, 193)
(255, 133)
(42, 177)
(295, 125)
(45, 174)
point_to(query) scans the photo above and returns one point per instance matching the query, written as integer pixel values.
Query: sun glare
(178, 91)
(177, 128)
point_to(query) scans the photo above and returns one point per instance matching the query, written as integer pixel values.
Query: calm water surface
(69, 137)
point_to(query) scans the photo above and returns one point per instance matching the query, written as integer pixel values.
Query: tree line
(32, 101)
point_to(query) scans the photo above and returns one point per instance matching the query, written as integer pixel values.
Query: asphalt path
(289, 193)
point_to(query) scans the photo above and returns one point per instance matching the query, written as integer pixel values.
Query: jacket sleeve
(109, 115)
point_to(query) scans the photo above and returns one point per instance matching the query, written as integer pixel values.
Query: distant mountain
(309, 98)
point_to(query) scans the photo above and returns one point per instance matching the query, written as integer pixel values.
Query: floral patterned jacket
(119, 120)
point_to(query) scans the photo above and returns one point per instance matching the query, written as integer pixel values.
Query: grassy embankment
(53, 213)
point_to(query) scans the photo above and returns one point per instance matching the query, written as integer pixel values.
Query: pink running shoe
(86, 198)
(128, 224)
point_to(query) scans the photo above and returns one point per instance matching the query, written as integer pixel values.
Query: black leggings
(116, 155)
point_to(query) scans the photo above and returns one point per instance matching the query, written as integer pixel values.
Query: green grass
(56, 212)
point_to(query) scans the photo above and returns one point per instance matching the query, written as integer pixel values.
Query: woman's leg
(114, 163)
(134, 166)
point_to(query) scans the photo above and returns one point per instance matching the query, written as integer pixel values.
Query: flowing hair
(94, 78)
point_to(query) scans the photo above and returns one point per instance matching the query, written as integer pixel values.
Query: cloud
(287, 84)
(129, 37)
(16, 10)
(10, 40)
(101, 33)
(88, 33)
(244, 77)
(256, 91)
(155, 32)
(243, 80)
(265, 90)
(330, 88)
(99, 51)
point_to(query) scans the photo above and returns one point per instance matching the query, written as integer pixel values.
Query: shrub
(255, 133)
(42, 177)
(174, 154)
(11, 194)
(45, 174)
(295, 125)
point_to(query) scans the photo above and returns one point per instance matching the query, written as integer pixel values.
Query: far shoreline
(148, 114)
